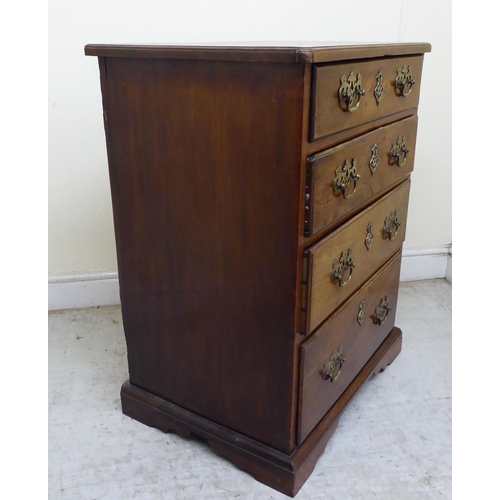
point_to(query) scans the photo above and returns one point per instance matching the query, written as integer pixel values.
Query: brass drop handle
(404, 80)
(341, 267)
(343, 177)
(391, 226)
(381, 312)
(333, 365)
(350, 92)
(399, 151)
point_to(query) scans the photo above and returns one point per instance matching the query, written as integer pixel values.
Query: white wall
(429, 217)
(81, 238)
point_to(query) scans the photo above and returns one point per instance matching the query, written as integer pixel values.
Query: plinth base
(282, 472)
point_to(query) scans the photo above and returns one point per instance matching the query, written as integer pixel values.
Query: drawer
(359, 84)
(340, 263)
(342, 178)
(333, 356)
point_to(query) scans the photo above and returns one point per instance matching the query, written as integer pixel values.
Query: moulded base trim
(282, 472)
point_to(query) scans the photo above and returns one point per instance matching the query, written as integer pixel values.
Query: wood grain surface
(326, 204)
(357, 341)
(205, 198)
(323, 296)
(285, 52)
(327, 114)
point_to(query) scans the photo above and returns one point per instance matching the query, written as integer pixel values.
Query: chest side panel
(204, 167)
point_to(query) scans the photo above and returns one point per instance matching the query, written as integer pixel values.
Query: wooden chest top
(287, 52)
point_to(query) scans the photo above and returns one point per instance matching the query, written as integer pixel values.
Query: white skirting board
(101, 289)
(83, 290)
(426, 263)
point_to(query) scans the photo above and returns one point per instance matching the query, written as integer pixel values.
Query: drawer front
(344, 177)
(333, 356)
(376, 88)
(340, 263)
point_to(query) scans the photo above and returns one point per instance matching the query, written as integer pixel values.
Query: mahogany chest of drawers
(259, 198)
